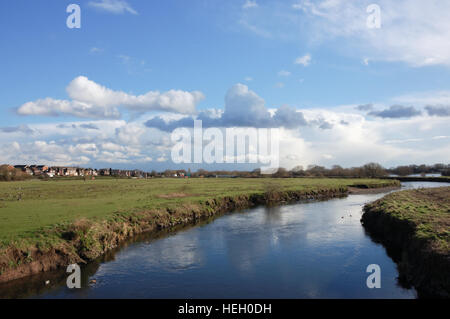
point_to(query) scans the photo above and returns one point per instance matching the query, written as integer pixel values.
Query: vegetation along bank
(414, 226)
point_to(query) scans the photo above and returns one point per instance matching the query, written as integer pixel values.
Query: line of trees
(421, 169)
(369, 170)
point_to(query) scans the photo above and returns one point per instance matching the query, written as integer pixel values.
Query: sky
(340, 91)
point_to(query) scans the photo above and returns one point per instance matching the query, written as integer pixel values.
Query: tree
(373, 170)
(403, 170)
(282, 172)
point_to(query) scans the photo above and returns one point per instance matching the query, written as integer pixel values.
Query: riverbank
(372, 190)
(414, 227)
(439, 179)
(48, 225)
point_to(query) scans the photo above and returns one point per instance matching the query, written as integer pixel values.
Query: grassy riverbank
(47, 224)
(415, 226)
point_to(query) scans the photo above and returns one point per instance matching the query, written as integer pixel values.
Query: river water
(306, 250)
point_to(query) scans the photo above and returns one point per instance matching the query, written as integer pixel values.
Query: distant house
(25, 169)
(116, 172)
(71, 171)
(58, 171)
(50, 172)
(64, 171)
(137, 173)
(105, 172)
(47, 171)
(42, 168)
(39, 169)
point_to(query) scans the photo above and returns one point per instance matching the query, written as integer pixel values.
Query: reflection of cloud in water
(258, 232)
(179, 252)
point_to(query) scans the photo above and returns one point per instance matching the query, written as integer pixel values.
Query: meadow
(414, 226)
(31, 206)
(427, 210)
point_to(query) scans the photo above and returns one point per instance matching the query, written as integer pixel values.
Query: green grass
(28, 208)
(428, 209)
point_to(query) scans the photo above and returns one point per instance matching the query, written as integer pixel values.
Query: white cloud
(340, 135)
(284, 73)
(413, 31)
(95, 50)
(115, 142)
(387, 141)
(249, 4)
(424, 98)
(113, 6)
(92, 100)
(303, 60)
(84, 90)
(52, 107)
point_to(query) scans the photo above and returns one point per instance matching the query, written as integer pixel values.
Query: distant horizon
(447, 166)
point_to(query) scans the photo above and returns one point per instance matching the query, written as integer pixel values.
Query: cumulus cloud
(92, 100)
(365, 107)
(438, 110)
(89, 126)
(327, 137)
(326, 125)
(303, 60)
(397, 111)
(17, 129)
(288, 117)
(52, 107)
(243, 108)
(84, 90)
(49, 153)
(113, 6)
(80, 143)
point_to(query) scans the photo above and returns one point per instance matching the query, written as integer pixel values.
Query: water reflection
(307, 250)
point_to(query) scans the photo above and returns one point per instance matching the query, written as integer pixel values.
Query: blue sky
(209, 47)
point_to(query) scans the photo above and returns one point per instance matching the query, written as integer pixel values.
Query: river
(305, 250)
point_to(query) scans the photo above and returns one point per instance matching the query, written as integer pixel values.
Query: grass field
(28, 207)
(414, 226)
(427, 209)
